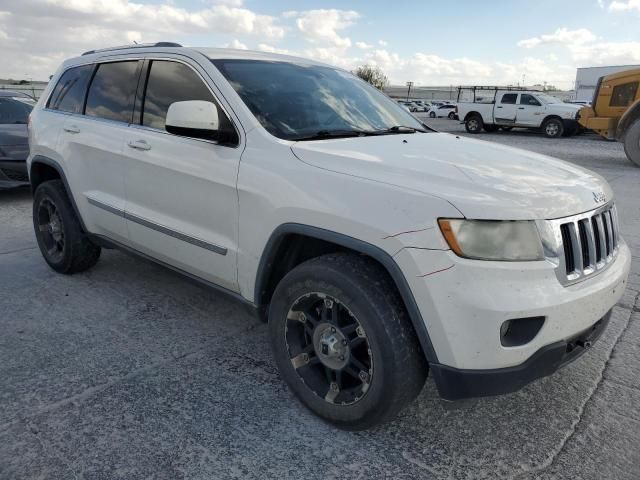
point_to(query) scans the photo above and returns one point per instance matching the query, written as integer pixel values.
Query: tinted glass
(299, 100)
(171, 82)
(68, 96)
(14, 111)
(526, 99)
(112, 91)
(623, 95)
(509, 98)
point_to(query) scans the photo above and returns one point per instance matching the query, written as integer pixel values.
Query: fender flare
(267, 261)
(41, 159)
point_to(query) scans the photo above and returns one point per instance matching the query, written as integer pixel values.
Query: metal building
(587, 80)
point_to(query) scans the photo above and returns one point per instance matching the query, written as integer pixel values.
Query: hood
(482, 180)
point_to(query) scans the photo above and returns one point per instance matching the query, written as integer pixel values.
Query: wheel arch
(279, 256)
(472, 114)
(43, 169)
(628, 118)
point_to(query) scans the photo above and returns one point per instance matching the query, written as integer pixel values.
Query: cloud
(628, 6)
(586, 49)
(40, 33)
(363, 45)
(382, 43)
(560, 36)
(237, 44)
(322, 26)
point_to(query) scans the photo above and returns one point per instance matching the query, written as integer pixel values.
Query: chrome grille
(582, 245)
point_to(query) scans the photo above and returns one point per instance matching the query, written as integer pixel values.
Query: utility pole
(409, 84)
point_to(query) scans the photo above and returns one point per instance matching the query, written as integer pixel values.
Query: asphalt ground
(130, 371)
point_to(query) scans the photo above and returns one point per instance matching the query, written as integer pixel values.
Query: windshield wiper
(399, 129)
(324, 134)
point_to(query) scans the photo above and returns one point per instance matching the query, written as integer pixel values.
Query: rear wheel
(451, 115)
(432, 114)
(506, 129)
(553, 128)
(64, 246)
(343, 342)
(490, 128)
(474, 124)
(632, 143)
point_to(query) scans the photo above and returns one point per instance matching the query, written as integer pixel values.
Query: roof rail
(136, 45)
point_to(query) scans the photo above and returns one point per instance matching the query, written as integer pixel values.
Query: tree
(373, 75)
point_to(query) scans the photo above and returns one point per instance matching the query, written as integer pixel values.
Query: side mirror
(193, 118)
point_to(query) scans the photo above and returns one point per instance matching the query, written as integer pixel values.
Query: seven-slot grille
(589, 243)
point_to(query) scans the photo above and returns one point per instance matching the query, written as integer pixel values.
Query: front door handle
(71, 129)
(139, 145)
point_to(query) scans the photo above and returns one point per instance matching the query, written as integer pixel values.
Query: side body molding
(268, 259)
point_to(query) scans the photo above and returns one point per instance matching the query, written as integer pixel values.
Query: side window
(526, 99)
(171, 82)
(112, 91)
(509, 98)
(68, 95)
(623, 95)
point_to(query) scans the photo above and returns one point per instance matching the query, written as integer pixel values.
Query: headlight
(493, 240)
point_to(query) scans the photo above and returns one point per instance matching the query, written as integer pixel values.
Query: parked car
(378, 249)
(410, 106)
(15, 108)
(508, 108)
(445, 110)
(422, 105)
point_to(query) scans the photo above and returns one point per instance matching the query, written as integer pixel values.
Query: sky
(429, 43)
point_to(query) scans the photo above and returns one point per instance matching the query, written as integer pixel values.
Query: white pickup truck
(491, 108)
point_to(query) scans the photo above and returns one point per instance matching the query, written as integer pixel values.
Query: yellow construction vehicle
(615, 112)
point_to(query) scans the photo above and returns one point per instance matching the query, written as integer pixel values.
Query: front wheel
(474, 124)
(553, 128)
(343, 342)
(632, 143)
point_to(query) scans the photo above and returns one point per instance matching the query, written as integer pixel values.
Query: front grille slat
(589, 243)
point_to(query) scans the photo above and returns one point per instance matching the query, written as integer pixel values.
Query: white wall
(587, 79)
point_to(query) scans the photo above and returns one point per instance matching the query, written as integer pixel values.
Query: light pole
(409, 84)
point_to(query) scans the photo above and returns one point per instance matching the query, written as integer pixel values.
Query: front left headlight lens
(493, 239)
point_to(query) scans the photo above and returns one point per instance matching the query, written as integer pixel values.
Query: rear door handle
(139, 145)
(498, 107)
(520, 108)
(71, 129)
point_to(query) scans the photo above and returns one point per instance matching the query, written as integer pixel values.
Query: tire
(490, 128)
(64, 246)
(385, 368)
(553, 128)
(432, 114)
(474, 124)
(506, 129)
(451, 115)
(632, 143)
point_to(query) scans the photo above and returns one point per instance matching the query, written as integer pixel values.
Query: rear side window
(509, 98)
(623, 95)
(68, 95)
(170, 82)
(112, 91)
(14, 111)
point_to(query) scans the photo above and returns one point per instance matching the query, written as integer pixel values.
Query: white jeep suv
(377, 249)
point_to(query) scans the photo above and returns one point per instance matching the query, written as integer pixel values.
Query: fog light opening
(520, 331)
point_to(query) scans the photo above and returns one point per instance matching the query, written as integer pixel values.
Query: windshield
(294, 101)
(14, 110)
(548, 98)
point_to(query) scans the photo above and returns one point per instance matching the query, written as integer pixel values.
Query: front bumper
(457, 384)
(13, 174)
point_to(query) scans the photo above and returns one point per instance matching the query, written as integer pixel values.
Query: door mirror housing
(193, 118)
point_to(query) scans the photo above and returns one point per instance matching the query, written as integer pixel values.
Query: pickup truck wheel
(63, 244)
(553, 128)
(474, 124)
(632, 143)
(343, 343)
